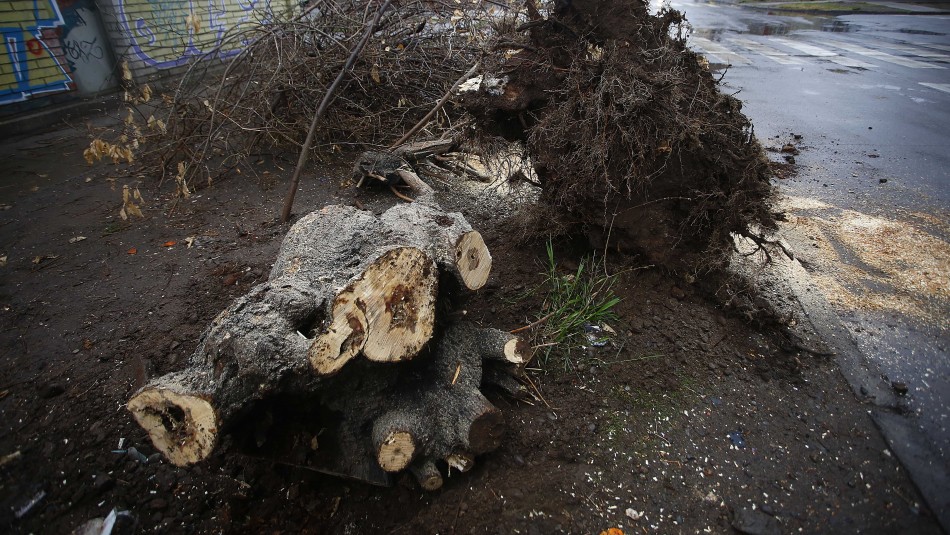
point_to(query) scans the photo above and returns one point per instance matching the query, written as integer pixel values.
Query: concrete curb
(928, 472)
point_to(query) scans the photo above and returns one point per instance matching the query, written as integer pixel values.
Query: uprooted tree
(627, 130)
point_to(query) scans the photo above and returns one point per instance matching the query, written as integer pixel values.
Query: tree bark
(345, 283)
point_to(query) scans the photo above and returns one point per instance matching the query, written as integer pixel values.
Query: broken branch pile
(347, 283)
(265, 98)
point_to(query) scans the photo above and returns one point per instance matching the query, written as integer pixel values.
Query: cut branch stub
(395, 439)
(456, 247)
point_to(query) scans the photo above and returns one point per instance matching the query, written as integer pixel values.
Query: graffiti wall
(56, 46)
(32, 61)
(162, 34)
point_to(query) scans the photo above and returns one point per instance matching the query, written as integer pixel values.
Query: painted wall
(32, 62)
(51, 47)
(156, 35)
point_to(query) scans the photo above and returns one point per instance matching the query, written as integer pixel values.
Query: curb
(915, 453)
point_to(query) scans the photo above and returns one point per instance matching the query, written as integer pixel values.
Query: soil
(688, 421)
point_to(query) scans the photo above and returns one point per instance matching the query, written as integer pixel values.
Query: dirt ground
(689, 421)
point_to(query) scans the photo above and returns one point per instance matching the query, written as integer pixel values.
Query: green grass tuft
(573, 302)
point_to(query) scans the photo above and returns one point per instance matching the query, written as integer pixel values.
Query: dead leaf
(126, 72)
(170, 243)
(87, 344)
(133, 250)
(38, 259)
(190, 240)
(374, 73)
(181, 184)
(193, 22)
(3, 261)
(612, 531)
(77, 239)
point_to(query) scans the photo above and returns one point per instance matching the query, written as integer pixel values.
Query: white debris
(634, 515)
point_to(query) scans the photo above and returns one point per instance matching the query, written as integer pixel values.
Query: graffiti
(170, 33)
(86, 48)
(28, 66)
(83, 51)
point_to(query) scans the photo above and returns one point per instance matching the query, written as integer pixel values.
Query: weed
(575, 304)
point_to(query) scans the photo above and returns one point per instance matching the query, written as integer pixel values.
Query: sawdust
(868, 262)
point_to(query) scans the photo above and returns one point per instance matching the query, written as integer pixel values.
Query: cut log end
(182, 426)
(486, 431)
(473, 260)
(343, 340)
(396, 451)
(518, 351)
(460, 461)
(428, 475)
(398, 293)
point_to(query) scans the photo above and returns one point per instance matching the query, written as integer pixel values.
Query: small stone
(863, 390)
(174, 345)
(592, 428)
(882, 181)
(518, 460)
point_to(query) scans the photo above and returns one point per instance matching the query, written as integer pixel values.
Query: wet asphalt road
(870, 96)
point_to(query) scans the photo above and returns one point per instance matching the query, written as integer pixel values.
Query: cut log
(381, 286)
(428, 476)
(344, 283)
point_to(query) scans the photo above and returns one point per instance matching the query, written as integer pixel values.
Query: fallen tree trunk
(348, 283)
(345, 283)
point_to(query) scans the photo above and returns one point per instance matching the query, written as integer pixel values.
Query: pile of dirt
(629, 134)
